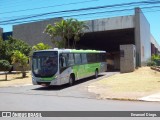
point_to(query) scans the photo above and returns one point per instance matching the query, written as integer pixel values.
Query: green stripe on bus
(48, 78)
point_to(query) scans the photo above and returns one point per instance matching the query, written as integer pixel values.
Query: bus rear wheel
(96, 74)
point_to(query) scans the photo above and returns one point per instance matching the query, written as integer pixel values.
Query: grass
(132, 85)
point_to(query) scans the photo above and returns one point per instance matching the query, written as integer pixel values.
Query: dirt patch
(142, 82)
(15, 80)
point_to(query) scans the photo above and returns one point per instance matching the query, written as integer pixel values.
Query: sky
(23, 11)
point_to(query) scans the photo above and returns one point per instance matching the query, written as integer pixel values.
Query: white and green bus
(61, 66)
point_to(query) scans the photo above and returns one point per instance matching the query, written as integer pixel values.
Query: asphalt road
(75, 98)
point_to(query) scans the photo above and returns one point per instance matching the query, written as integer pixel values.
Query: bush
(151, 63)
(5, 65)
(157, 62)
(21, 59)
(155, 57)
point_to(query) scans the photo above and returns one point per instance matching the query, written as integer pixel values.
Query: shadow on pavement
(57, 88)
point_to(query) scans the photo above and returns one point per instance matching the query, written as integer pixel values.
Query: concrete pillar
(127, 58)
(137, 37)
(142, 38)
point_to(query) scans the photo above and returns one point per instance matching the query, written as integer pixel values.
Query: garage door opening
(110, 42)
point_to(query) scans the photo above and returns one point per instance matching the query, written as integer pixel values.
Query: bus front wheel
(71, 80)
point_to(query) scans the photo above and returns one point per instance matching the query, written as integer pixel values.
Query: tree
(57, 31)
(20, 59)
(5, 52)
(78, 31)
(20, 45)
(5, 66)
(41, 46)
(8, 46)
(66, 29)
(69, 29)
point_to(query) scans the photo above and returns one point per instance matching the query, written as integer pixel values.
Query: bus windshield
(45, 64)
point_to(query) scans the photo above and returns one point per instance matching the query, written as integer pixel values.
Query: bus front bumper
(38, 81)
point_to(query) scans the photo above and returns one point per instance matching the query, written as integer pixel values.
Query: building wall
(1, 32)
(114, 23)
(142, 38)
(33, 33)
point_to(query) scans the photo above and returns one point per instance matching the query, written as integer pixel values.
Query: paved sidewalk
(153, 98)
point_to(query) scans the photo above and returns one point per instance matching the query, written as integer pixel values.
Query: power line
(79, 15)
(85, 14)
(75, 15)
(77, 10)
(116, 5)
(73, 3)
(122, 10)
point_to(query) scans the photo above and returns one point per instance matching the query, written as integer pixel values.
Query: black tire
(71, 80)
(96, 74)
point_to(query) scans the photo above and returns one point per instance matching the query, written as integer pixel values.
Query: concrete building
(104, 34)
(1, 32)
(33, 33)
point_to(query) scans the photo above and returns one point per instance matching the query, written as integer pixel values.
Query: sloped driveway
(80, 89)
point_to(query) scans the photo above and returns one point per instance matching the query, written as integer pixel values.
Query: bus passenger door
(64, 69)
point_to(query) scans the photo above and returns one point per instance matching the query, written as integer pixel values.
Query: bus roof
(73, 51)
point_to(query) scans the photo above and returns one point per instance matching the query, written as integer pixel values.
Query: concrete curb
(151, 98)
(144, 99)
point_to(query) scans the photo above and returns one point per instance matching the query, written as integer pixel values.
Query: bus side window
(91, 57)
(98, 57)
(70, 60)
(77, 59)
(84, 58)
